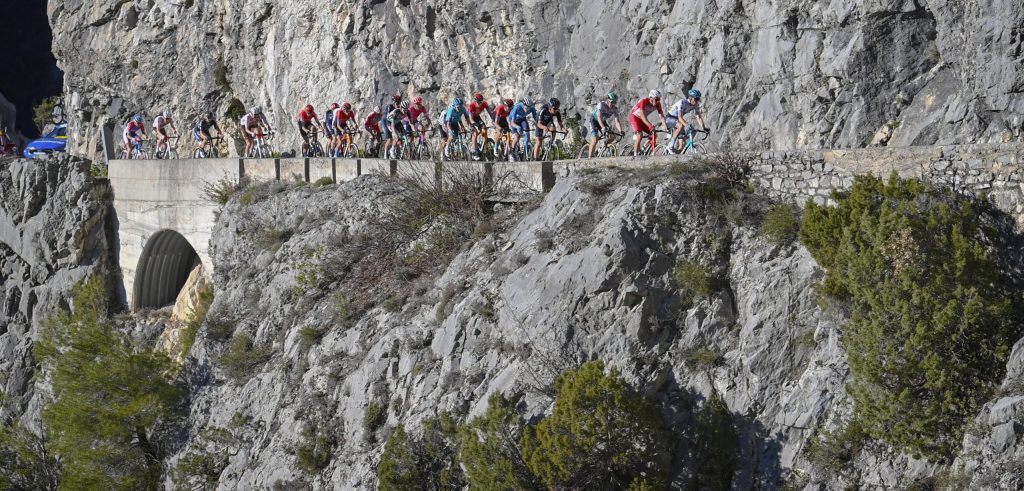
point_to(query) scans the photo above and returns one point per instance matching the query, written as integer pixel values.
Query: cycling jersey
(252, 121)
(417, 110)
(134, 127)
(373, 120)
(646, 106)
(604, 111)
(204, 126)
(546, 118)
(682, 107)
(306, 117)
(520, 112)
(160, 122)
(477, 108)
(453, 114)
(329, 116)
(395, 119)
(343, 117)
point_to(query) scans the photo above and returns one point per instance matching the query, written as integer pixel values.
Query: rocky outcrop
(782, 74)
(56, 228)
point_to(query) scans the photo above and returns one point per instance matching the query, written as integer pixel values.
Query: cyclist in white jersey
(603, 111)
(253, 121)
(160, 125)
(676, 122)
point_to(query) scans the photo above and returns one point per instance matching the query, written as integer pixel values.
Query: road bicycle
(209, 149)
(606, 145)
(314, 149)
(648, 144)
(137, 152)
(456, 149)
(525, 151)
(373, 146)
(503, 145)
(487, 145)
(692, 145)
(346, 147)
(553, 148)
(423, 150)
(167, 150)
(261, 147)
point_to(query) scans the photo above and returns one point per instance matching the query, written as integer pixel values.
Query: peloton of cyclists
(130, 136)
(605, 110)
(253, 123)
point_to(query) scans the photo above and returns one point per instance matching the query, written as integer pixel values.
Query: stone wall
(993, 170)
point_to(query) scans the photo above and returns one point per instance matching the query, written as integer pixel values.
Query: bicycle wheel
(557, 151)
(424, 151)
(198, 154)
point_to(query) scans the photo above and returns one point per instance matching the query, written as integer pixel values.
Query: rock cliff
(780, 74)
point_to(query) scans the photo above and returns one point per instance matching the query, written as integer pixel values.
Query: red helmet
(509, 102)
(397, 97)
(478, 96)
(308, 108)
(334, 106)
(417, 100)
(346, 106)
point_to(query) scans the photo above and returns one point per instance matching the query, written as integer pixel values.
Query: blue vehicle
(54, 141)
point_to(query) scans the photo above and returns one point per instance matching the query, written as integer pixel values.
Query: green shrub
(219, 329)
(715, 447)
(428, 462)
(704, 358)
(221, 191)
(342, 305)
(242, 358)
(833, 451)
(933, 315)
(26, 461)
(490, 449)
(375, 416)
(600, 432)
(108, 395)
(44, 112)
(235, 110)
(781, 224)
(398, 469)
(314, 453)
(323, 181)
(698, 280)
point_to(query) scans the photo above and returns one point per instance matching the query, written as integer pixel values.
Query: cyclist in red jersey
(342, 117)
(638, 117)
(477, 107)
(501, 114)
(372, 122)
(307, 116)
(416, 111)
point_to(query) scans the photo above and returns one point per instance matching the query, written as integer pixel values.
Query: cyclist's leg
(638, 129)
(539, 145)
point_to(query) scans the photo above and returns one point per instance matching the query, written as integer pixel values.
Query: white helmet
(167, 114)
(255, 110)
(655, 94)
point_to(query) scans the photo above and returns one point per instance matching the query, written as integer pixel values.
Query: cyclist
(252, 123)
(501, 114)
(549, 115)
(638, 117)
(329, 130)
(395, 122)
(453, 119)
(201, 131)
(419, 117)
(307, 116)
(160, 125)
(604, 111)
(517, 119)
(476, 110)
(372, 122)
(131, 132)
(682, 107)
(389, 138)
(344, 118)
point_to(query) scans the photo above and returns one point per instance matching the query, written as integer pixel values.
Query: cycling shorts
(502, 123)
(478, 122)
(305, 127)
(638, 125)
(595, 127)
(453, 127)
(670, 121)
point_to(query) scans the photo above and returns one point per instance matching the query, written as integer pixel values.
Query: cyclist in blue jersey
(453, 117)
(675, 121)
(517, 119)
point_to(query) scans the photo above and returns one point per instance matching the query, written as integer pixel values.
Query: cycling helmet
(346, 106)
(167, 114)
(334, 106)
(694, 93)
(308, 108)
(138, 118)
(257, 110)
(655, 94)
(209, 116)
(612, 96)
(376, 109)
(405, 106)
(417, 100)
(457, 102)
(527, 101)
(509, 102)
(478, 96)
(397, 97)
(554, 102)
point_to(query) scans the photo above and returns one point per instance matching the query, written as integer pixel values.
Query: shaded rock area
(778, 74)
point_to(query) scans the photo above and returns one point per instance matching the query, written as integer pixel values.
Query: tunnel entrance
(164, 267)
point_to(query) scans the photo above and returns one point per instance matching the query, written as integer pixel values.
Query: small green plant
(342, 305)
(323, 181)
(235, 110)
(247, 197)
(781, 223)
(833, 451)
(715, 447)
(242, 357)
(705, 358)
(696, 279)
(374, 416)
(310, 335)
(219, 329)
(44, 111)
(314, 452)
(221, 191)
(309, 271)
(98, 170)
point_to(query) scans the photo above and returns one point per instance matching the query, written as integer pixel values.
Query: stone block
(260, 169)
(293, 169)
(377, 166)
(320, 168)
(346, 169)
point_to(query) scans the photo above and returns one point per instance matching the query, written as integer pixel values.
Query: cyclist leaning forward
(477, 107)
(253, 123)
(395, 123)
(307, 117)
(681, 108)
(160, 124)
(389, 138)
(605, 110)
(131, 133)
(419, 117)
(372, 122)
(201, 131)
(517, 119)
(546, 119)
(344, 119)
(638, 117)
(329, 130)
(453, 120)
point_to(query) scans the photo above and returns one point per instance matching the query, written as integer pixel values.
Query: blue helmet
(694, 93)
(138, 118)
(457, 102)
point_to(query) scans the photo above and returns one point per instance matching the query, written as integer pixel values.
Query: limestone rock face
(779, 74)
(55, 230)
